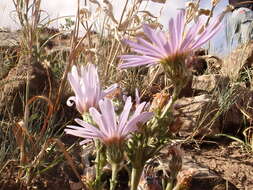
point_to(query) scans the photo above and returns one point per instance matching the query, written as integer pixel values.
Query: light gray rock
(9, 39)
(209, 82)
(197, 116)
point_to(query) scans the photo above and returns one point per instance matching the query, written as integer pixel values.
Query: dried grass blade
(49, 113)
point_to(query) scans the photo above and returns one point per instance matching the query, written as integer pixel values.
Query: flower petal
(139, 109)
(125, 113)
(110, 89)
(172, 36)
(108, 115)
(180, 26)
(138, 61)
(206, 35)
(97, 118)
(157, 41)
(131, 126)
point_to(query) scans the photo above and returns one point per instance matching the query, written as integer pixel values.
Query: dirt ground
(230, 160)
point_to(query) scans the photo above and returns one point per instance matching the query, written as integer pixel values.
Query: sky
(57, 8)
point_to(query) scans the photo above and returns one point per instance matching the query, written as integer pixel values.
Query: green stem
(135, 177)
(171, 184)
(99, 157)
(113, 182)
(98, 163)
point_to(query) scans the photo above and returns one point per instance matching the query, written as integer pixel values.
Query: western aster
(87, 88)
(164, 47)
(111, 129)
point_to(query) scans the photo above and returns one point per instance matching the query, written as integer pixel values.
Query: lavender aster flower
(164, 47)
(111, 129)
(86, 87)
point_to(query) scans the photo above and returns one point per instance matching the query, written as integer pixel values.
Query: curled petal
(71, 101)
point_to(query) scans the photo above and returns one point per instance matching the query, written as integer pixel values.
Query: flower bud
(159, 101)
(175, 164)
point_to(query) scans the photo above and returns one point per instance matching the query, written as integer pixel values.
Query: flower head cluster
(87, 89)
(111, 129)
(166, 47)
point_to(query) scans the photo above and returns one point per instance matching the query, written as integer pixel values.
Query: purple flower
(87, 89)
(165, 47)
(111, 129)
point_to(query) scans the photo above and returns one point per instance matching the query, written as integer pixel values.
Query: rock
(8, 59)
(13, 86)
(193, 175)
(204, 63)
(9, 39)
(8, 51)
(214, 64)
(237, 62)
(207, 116)
(217, 157)
(199, 177)
(197, 116)
(240, 109)
(199, 65)
(209, 82)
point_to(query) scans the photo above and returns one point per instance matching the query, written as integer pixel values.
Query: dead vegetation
(34, 151)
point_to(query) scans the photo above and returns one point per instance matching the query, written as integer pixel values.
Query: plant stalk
(113, 181)
(174, 97)
(171, 184)
(135, 177)
(98, 164)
